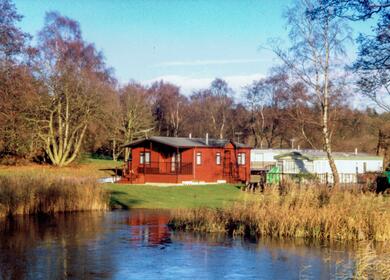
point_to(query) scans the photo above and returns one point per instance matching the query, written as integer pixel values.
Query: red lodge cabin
(187, 160)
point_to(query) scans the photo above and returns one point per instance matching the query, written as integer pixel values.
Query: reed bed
(311, 212)
(372, 263)
(48, 194)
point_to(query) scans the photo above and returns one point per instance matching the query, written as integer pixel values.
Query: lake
(137, 244)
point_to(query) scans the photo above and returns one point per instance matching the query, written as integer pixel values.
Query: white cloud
(207, 62)
(189, 84)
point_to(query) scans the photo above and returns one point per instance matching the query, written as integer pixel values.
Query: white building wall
(258, 155)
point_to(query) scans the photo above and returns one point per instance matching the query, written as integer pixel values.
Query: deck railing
(168, 168)
(322, 178)
(262, 165)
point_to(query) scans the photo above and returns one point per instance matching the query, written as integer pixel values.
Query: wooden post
(177, 165)
(193, 162)
(144, 161)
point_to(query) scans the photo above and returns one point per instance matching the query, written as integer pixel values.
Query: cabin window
(173, 161)
(144, 158)
(198, 158)
(241, 159)
(218, 158)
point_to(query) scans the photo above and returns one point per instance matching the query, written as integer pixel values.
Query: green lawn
(146, 196)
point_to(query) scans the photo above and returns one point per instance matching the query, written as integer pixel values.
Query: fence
(173, 168)
(321, 178)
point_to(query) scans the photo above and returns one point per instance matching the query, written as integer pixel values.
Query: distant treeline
(58, 99)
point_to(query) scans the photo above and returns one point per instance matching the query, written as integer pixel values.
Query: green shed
(273, 175)
(387, 174)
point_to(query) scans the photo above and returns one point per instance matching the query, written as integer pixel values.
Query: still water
(138, 244)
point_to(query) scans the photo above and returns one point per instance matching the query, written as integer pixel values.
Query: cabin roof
(318, 154)
(183, 142)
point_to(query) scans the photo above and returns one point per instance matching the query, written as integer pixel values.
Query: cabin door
(227, 166)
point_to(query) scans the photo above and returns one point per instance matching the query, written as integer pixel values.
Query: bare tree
(74, 78)
(256, 103)
(350, 9)
(12, 38)
(18, 87)
(265, 99)
(303, 115)
(316, 46)
(135, 120)
(219, 104)
(373, 65)
(169, 107)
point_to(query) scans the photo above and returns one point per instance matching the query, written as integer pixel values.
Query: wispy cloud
(207, 62)
(189, 84)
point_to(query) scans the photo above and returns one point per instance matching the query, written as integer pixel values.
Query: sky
(187, 42)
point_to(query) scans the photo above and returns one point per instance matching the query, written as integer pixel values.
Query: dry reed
(372, 263)
(48, 194)
(310, 212)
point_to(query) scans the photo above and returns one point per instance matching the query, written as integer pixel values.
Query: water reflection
(148, 227)
(139, 245)
(51, 248)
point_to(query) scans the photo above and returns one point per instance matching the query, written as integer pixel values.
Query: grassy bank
(49, 194)
(146, 196)
(307, 212)
(88, 167)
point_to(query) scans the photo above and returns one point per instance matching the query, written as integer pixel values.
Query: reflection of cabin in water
(187, 160)
(149, 227)
(289, 161)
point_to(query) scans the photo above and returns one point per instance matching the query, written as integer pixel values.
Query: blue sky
(188, 42)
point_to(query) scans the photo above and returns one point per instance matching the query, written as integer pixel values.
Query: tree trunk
(114, 157)
(127, 154)
(62, 144)
(328, 150)
(325, 113)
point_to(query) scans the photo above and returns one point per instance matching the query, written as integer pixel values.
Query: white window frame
(218, 158)
(144, 158)
(198, 158)
(241, 158)
(173, 162)
(147, 157)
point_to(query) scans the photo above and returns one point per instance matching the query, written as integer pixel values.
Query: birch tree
(316, 46)
(220, 104)
(74, 78)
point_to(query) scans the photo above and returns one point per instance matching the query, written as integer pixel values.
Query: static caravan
(264, 159)
(289, 161)
(349, 165)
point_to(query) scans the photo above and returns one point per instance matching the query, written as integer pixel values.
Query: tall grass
(310, 212)
(371, 264)
(49, 194)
